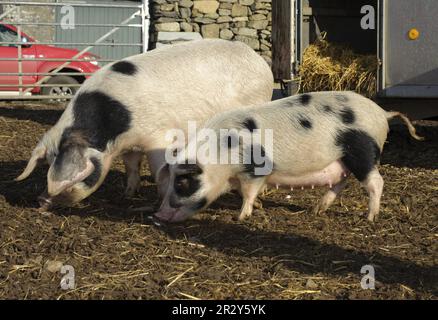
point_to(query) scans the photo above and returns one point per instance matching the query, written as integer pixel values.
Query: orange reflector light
(413, 34)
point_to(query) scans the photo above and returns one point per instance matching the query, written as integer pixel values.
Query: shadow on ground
(238, 240)
(401, 150)
(42, 116)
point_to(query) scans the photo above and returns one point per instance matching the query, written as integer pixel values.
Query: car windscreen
(7, 35)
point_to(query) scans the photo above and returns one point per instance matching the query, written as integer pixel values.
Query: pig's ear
(71, 166)
(37, 154)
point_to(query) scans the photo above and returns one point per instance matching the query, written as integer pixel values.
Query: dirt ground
(282, 252)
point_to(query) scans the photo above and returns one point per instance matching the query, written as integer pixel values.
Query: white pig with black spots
(126, 108)
(319, 139)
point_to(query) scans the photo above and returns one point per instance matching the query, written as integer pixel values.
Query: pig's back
(189, 81)
(307, 128)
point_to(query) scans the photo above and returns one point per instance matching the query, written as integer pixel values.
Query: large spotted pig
(318, 140)
(127, 107)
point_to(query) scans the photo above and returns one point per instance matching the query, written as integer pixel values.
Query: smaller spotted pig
(318, 140)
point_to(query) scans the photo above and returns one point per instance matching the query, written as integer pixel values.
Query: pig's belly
(329, 176)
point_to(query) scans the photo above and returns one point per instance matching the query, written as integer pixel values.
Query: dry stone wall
(248, 21)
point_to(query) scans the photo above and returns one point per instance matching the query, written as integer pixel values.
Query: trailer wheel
(63, 89)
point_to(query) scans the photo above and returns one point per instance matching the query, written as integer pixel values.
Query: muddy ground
(282, 252)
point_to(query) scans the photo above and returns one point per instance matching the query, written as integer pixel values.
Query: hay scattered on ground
(328, 66)
(282, 252)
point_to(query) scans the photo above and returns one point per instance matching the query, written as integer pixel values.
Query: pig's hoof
(317, 210)
(243, 216)
(258, 204)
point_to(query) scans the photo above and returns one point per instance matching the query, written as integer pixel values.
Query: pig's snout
(171, 215)
(165, 215)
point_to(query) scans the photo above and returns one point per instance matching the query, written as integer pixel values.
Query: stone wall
(248, 21)
(34, 14)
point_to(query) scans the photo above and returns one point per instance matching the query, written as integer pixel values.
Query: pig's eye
(182, 182)
(186, 185)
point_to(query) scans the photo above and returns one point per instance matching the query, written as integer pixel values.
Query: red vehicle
(32, 50)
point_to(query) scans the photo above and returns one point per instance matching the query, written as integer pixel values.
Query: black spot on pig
(360, 152)
(305, 99)
(327, 109)
(341, 98)
(100, 118)
(261, 162)
(347, 116)
(190, 168)
(250, 124)
(93, 178)
(198, 205)
(124, 67)
(305, 123)
(186, 185)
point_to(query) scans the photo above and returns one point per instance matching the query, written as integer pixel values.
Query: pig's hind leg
(132, 161)
(249, 189)
(326, 201)
(374, 186)
(361, 156)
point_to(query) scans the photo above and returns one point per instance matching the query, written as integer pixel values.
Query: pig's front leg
(132, 161)
(329, 197)
(159, 170)
(249, 188)
(235, 185)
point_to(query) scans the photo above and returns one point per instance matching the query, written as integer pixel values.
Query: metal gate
(84, 35)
